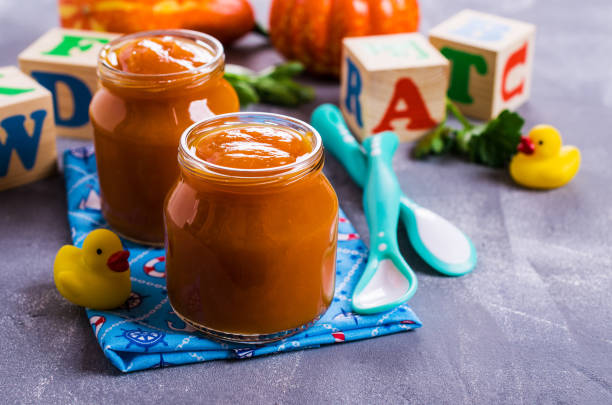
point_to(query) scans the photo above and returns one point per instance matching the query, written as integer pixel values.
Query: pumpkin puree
(152, 88)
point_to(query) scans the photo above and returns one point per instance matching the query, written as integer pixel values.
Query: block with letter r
(491, 61)
(64, 61)
(27, 129)
(392, 83)
(354, 87)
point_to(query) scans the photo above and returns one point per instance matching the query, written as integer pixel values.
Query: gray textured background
(531, 325)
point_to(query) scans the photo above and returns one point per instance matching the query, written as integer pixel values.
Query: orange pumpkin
(226, 20)
(311, 31)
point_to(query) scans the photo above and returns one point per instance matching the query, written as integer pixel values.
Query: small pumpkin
(226, 20)
(311, 31)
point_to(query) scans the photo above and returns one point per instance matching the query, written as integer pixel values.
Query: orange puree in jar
(153, 86)
(253, 147)
(158, 55)
(251, 228)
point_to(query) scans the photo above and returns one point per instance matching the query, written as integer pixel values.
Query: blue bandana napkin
(145, 333)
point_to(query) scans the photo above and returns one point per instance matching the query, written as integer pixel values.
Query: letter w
(18, 138)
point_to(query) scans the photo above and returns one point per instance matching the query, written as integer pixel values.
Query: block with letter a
(27, 130)
(64, 61)
(392, 82)
(491, 61)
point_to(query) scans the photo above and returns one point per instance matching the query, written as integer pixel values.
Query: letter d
(80, 94)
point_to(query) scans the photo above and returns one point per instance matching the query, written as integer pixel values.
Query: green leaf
(287, 70)
(274, 85)
(273, 92)
(245, 91)
(493, 144)
(463, 137)
(304, 94)
(437, 142)
(235, 78)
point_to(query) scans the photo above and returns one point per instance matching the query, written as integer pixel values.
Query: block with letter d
(392, 82)
(64, 61)
(491, 61)
(27, 130)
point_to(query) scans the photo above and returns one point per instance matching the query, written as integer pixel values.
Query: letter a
(416, 111)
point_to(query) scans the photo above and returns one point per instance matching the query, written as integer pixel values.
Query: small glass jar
(250, 253)
(138, 119)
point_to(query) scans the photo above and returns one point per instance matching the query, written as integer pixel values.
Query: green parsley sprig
(273, 86)
(492, 143)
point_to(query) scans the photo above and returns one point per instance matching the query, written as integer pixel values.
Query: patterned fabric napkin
(145, 333)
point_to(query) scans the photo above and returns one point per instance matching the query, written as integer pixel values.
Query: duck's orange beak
(526, 146)
(118, 261)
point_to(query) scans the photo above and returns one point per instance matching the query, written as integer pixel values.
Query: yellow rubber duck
(542, 161)
(97, 275)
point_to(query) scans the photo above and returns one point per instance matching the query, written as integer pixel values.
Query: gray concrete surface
(531, 325)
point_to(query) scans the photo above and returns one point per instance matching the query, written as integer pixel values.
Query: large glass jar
(153, 85)
(250, 253)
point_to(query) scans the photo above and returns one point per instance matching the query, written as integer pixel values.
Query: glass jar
(138, 119)
(250, 253)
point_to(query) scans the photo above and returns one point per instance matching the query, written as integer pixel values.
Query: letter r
(353, 91)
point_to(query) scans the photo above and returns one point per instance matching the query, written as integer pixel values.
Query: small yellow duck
(96, 276)
(542, 161)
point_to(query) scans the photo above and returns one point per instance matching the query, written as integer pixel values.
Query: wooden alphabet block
(491, 61)
(64, 61)
(392, 82)
(27, 130)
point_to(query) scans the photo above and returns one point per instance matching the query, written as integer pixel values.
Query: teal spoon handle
(381, 194)
(328, 120)
(381, 200)
(439, 243)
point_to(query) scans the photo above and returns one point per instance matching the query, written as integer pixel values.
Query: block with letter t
(491, 61)
(27, 130)
(392, 82)
(64, 61)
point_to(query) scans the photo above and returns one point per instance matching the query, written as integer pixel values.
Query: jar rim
(302, 166)
(212, 43)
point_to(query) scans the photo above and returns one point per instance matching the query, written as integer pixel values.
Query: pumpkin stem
(259, 29)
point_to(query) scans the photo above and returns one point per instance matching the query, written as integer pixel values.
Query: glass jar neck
(208, 73)
(305, 166)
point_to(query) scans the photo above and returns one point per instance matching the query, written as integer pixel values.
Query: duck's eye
(541, 143)
(99, 251)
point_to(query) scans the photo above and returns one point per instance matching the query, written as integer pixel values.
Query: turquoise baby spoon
(387, 280)
(441, 244)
